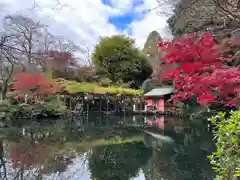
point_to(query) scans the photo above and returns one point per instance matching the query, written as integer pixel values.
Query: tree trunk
(2, 165)
(4, 90)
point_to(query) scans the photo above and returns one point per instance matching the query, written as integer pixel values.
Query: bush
(226, 160)
(5, 106)
(51, 106)
(9, 111)
(105, 82)
(54, 106)
(11, 94)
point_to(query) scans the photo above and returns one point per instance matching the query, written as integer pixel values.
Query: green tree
(117, 58)
(139, 72)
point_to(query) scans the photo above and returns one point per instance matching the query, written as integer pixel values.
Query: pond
(107, 148)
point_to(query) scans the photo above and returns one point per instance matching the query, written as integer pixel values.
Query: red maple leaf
(31, 83)
(201, 71)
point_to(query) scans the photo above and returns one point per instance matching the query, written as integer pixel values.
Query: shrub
(9, 111)
(226, 160)
(11, 94)
(54, 106)
(105, 82)
(4, 106)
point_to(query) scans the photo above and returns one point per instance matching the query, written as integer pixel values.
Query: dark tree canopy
(118, 59)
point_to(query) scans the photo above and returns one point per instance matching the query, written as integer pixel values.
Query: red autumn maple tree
(201, 71)
(31, 83)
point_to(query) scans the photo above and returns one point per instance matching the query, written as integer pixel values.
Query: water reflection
(152, 148)
(121, 161)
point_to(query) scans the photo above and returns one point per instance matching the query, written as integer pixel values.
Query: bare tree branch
(54, 4)
(230, 8)
(28, 31)
(29, 44)
(165, 7)
(87, 54)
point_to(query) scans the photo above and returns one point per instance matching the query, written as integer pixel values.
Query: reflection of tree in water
(118, 162)
(192, 150)
(57, 163)
(29, 161)
(186, 159)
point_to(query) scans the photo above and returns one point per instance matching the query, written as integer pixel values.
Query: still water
(113, 148)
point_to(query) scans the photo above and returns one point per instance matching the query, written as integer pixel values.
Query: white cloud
(85, 21)
(123, 5)
(151, 21)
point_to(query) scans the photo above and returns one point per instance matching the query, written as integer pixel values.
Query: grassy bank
(74, 87)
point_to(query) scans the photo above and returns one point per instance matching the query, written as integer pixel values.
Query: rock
(151, 50)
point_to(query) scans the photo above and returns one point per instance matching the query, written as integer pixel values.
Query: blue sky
(84, 22)
(122, 21)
